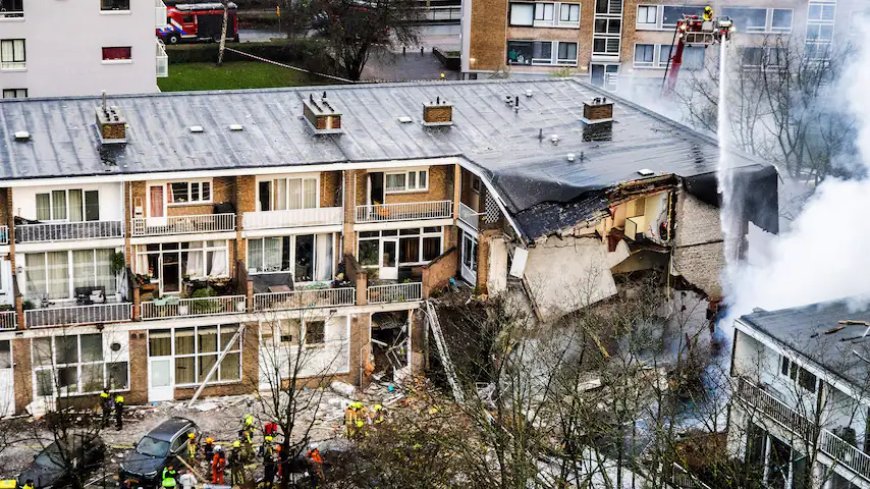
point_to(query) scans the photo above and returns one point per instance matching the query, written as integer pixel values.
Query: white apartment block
(800, 411)
(51, 48)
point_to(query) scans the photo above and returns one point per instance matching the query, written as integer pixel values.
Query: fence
(73, 315)
(304, 299)
(404, 212)
(162, 226)
(65, 231)
(292, 218)
(196, 306)
(385, 294)
(7, 320)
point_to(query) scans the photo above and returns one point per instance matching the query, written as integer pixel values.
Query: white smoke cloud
(825, 255)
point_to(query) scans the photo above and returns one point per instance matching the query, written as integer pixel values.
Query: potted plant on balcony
(201, 303)
(117, 265)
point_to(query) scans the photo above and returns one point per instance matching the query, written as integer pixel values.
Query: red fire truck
(198, 22)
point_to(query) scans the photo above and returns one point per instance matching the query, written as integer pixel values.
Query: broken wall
(698, 253)
(563, 275)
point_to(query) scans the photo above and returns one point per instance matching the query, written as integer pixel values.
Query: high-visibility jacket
(191, 448)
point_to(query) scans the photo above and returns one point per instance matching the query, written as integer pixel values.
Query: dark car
(150, 455)
(54, 465)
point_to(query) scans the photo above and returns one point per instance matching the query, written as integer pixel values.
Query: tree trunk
(220, 60)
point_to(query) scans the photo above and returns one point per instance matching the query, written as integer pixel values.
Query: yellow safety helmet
(249, 419)
(708, 9)
(191, 435)
(268, 438)
(119, 399)
(377, 407)
(237, 444)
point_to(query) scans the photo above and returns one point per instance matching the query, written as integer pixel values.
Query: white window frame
(275, 181)
(568, 23)
(566, 61)
(818, 23)
(524, 5)
(193, 185)
(554, 59)
(541, 19)
(17, 63)
(768, 20)
(53, 367)
(407, 188)
(645, 64)
(779, 30)
(141, 253)
(12, 14)
(612, 40)
(66, 191)
(257, 268)
(13, 93)
(96, 278)
(197, 354)
(397, 236)
(656, 22)
(794, 374)
(108, 10)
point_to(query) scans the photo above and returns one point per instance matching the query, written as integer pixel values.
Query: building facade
(50, 49)
(799, 412)
(606, 40)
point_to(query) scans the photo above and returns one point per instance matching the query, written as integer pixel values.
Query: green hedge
(294, 52)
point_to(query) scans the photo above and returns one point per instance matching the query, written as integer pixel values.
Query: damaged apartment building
(174, 245)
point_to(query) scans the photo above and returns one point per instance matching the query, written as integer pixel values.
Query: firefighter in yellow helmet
(192, 447)
(378, 414)
(708, 13)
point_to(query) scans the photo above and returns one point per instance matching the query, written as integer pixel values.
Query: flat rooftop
(813, 332)
(531, 175)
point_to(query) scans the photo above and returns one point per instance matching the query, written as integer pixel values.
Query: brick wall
(330, 185)
(698, 248)
(488, 24)
(5, 206)
(222, 190)
(438, 272)
(418, 341)
(246, 193)
(440, 188)
(360, 345)
(138, 368)
(22, 374)
(483, 245)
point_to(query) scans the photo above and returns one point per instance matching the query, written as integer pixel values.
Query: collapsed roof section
(527, 137)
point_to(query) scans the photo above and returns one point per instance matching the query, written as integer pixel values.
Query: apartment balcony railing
(172, 307)
(404, 212)
(74, 315)
(386, 294)
(67, 231)
(11, 13)
(4, 235)
(7, 320)
(162, 60)
(468, 215)
(163, 226)
(304, 299)
(292, 218)
(835, 447)
(159, 14)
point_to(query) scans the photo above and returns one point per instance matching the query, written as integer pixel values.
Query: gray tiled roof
(502, 142)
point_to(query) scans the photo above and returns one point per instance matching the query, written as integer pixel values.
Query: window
(12, 54)
(197, 350)
(408, 181)
(288, 193)
(171, 263)
(644, 54)
(820, 30)
(544, 12)
(416, 245)
(76, 364)
(117, 53)
(693, 58)
(189, 192)
(647, 16)
(49, 273)
(781, 19)
(821, 12)
(763, 57)
(607, 26)
(671, 14)
(609, 7)
(308, 256)
(68, 205)
(802, 377)
(522, 14)
(606, 37)
(747, 19)
(11, 9)
(569, 14)
(14, 93)
(114, 4)
(567, 53)
(315, 333)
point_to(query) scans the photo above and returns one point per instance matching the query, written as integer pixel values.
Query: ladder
(435, 326)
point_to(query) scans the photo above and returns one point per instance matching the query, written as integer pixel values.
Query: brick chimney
(111, 123)
(597, 120)
(322, 115)
(438, 113)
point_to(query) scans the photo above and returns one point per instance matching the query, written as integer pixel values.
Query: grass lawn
(234, 75)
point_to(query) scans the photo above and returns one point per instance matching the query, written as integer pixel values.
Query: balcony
(173, 307)
(162, 60)
(4, 235)
(835, 447)
(304, 299)
(166, 226)
(11, 13)
(68, 231)
(468, 216)
(289, 218)
(75, 315)
(391, 293)
(440, 209)
(159, 14)
(7, 320)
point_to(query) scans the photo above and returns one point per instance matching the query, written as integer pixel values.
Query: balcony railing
(4, 235)
(159, 14)
(386, 294)
(199, 306)
(74, 315)
(468, 215)
(292, 218)
(66, 231)
(13, 65)
(304, 299)
(162, 226)
(162, 59)
(832, 445)
(11, 13)
(404, 212)
(7, 320)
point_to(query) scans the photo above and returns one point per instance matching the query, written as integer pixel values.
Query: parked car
(54, 465)
(150, 455)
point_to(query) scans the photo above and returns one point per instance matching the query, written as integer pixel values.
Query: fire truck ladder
(449, 369)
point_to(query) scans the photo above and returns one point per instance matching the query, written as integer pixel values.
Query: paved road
(389, 66)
